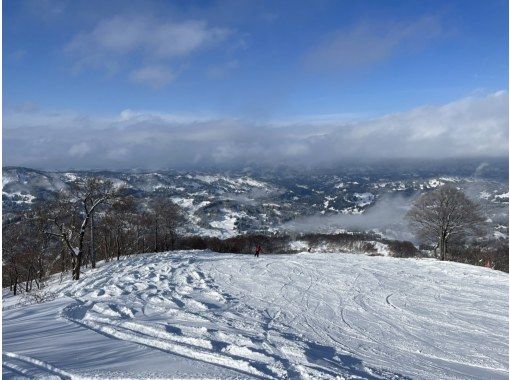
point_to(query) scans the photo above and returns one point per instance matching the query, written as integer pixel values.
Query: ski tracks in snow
(318, 316)
(168, 302)
(26, 366)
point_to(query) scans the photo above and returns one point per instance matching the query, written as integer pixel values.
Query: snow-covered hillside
(225, 204)
(206, 315)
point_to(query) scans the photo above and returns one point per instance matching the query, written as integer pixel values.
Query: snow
(485, 195)
(433, 183)
(207, 178)
(503, 197)
(252, 182)
(327, 200)
(25, 198)
(242, 181)
(183, 202)
(356, 247)
(352, 211)
(299, 245)
(7, 178)
(164, 187)
(449, 179)
(380, 185)
(70, 177)
(381, 248)
(227, 225)
(364, 199)
(500, 235)
(200, 314)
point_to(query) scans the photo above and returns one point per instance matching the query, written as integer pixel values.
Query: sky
(164, 84)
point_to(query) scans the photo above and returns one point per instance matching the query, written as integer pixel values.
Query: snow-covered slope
(207, 315)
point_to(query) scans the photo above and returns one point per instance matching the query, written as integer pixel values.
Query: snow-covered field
(208, 315)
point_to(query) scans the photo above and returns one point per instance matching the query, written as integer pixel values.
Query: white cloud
(113, 42)
(155, 76)
(472, 126)
(166, 39)
(79, 149)
(370, 42)
(221, 70)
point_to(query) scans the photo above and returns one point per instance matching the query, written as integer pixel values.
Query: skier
(258, 250)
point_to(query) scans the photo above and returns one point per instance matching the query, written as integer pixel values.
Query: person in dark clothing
(258, 250)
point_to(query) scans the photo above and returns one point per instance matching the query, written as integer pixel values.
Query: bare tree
(26, 252)
(444, 215)
(166, 218)
(117, 228)
(12, 241)
(71, 213)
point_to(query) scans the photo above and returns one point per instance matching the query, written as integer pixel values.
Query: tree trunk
(92, 250)
(15, 285)
(172, 241)
(41, 272)
(442, 247)
(77, 266)
(63, 258)
(106, 247)
(156, 240)
(117, 241)
(31, 275)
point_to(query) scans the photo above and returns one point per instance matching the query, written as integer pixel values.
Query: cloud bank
(387, 215)
(472, 126)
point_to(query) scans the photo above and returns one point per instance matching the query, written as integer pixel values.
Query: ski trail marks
(309, 317)
(31, 367)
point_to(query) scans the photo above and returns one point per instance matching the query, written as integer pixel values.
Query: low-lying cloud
(387, 216)
(473, 126)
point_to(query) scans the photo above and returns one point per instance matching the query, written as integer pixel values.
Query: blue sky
(260, 62)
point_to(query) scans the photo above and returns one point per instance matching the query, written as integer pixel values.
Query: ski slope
(317, 316)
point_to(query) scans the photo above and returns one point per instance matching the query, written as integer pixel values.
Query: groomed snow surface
(311, 316)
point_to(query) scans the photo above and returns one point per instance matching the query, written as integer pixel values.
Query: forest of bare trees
(89, 222)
